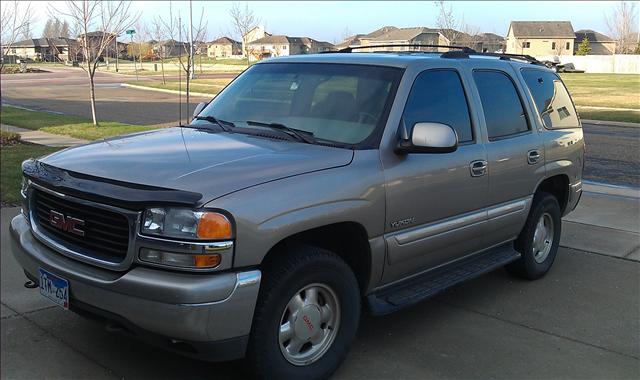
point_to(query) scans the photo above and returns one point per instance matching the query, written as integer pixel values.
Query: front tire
(306, 316)
(539, 239)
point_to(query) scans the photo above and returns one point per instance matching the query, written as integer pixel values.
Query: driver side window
(438, 96)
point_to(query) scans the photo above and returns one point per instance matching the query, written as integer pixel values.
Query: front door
(435, 201)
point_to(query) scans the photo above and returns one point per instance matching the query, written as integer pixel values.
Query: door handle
(533, 156)
(478, 168)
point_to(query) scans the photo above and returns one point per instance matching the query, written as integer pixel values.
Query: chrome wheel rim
(309, 324)
(543, 238)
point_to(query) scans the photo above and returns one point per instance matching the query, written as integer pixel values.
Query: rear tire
(539, 239)
(306, 317)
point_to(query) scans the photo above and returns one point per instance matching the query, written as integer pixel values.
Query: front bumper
(196, 309)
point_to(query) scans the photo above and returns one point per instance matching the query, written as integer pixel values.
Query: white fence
(619, 63)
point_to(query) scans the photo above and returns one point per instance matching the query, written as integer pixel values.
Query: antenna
(180, 68)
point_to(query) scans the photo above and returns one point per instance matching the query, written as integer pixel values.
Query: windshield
(345, 104)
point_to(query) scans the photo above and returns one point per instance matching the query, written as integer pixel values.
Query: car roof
(392, 59)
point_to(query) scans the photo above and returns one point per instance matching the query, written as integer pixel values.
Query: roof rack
(350, 49)
(501, 56)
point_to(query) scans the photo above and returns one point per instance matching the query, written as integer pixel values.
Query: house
(45, 49)
(171, 48)
(363, 39)
(224, 47)
(279, 45)
(488, 43)
(407, 36)
(540, 38)
(599, 43)
(254, 34)
(94, 39)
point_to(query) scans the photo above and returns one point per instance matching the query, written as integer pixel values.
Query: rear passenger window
(552, 99)
(437, 96)
(503, 110)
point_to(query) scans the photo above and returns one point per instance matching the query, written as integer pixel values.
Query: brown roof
(403, 34)
(38, 42)
(224, 41)
(542, 29)
(379, 32)
(281, 39)
(592, 35)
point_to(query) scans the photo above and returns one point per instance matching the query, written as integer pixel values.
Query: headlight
(183, 223)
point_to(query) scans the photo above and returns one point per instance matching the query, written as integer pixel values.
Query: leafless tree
(157, 32)
(447, 23)
(622, 22)
(109, 19)
(16, 16)
(243, 20)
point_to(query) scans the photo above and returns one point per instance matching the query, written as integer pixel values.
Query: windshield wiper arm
(222, 123)
(301, 135)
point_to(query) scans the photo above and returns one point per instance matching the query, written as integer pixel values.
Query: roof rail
(350, 49)
(502, 56)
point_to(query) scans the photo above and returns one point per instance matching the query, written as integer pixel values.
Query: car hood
(206, 162)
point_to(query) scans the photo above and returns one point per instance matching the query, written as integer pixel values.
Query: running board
(423, 286)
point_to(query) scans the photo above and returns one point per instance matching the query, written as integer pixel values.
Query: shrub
(9, 138)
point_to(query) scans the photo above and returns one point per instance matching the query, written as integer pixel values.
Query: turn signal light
(213, 226)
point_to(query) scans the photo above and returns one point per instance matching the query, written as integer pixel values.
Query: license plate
(54, 288)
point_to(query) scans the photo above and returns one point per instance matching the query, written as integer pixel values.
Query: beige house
(254, 34)
(279, 45)
(599, 43)
(224, 47)
(390, 35)
(540, 38)
(45, 49)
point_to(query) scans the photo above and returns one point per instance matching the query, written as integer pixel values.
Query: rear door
(515, 151)
(434, 202)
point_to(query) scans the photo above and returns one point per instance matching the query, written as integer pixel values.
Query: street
(612, 151)
(580, 321)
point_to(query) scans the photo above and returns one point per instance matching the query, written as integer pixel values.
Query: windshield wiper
(221, 123)
(301, 135)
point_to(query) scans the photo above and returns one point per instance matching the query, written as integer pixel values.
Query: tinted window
(503, 111)
(551, 98)
(437, 96)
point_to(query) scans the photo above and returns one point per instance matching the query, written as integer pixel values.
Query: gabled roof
(403, 34)
(592, 35)
(40, 42)
(379, 32)
(542, 29)
(281, 39)
(491, 37)
(224, 41)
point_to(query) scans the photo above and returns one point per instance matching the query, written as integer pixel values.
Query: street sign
(131, 31)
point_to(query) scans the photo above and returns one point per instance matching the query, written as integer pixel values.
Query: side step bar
(423, 286)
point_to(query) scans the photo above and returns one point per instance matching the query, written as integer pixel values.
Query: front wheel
(306, 317)
(539, 239)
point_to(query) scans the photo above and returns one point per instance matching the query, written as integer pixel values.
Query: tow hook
(30, 285)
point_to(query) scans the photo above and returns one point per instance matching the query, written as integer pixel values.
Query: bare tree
(243, 21)
(622, 22)
(447, 23)
(15, 20)
(100, 23)
(158, 35)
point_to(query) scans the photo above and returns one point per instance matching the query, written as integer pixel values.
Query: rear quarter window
(552, 99)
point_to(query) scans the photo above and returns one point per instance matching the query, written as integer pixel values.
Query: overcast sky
(325, 20)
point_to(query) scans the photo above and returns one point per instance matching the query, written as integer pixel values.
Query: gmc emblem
(66, 223)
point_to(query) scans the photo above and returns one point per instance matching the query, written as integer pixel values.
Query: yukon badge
(66, 223)
(403, 222)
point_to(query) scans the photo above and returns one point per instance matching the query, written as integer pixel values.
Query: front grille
(106, 233)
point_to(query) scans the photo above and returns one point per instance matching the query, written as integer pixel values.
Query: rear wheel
(306, 317)
(538, 242)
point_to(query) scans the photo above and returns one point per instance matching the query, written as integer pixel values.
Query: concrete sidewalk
(580, 321)
(43, 138)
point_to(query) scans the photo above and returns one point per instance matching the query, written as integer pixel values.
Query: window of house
(526, 44)
(553, 45)
(551, 98)
(567, 45)
(503, 110)
(284, 47)
(438, 96)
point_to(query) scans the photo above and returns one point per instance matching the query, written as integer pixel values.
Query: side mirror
(429, 138)
(199, 108)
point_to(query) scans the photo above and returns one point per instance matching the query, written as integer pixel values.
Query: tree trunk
(162, 65)
(92, 95)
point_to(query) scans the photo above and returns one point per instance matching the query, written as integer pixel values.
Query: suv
(311, 189)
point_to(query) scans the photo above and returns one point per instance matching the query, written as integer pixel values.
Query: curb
(609, 189)
(611, 123)
(191, 93)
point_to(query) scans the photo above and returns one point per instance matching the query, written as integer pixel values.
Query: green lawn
(607, 115)
(207, 86)
(11, 158)
(604, 90)
(73, 126)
